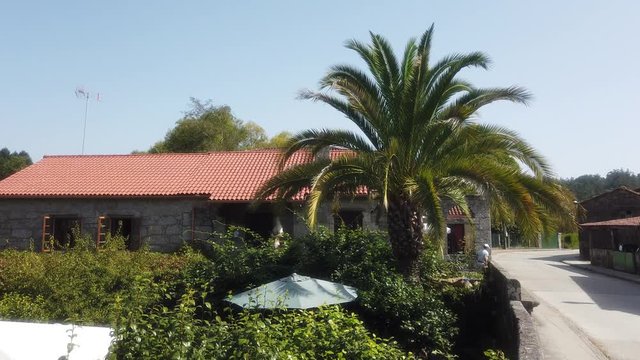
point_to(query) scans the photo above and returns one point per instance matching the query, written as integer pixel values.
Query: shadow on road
(607, 292)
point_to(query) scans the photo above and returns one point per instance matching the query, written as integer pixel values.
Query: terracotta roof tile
(219, 176)
(455, 212)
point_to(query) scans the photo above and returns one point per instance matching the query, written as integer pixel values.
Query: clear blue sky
(146, 58)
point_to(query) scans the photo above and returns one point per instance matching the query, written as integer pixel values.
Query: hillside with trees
(589, 185)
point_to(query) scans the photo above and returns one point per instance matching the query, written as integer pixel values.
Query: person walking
(484, 255)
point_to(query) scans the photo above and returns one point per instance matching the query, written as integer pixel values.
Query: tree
(587, 186)
(11, 162)
(279, 140)
(206, 127)
(621, 177)
(418, 144)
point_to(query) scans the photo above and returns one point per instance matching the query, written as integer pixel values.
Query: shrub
(570, 241)
(78, 284)
(235, 264)
(19, 306)
(179, 333)
(413, 313)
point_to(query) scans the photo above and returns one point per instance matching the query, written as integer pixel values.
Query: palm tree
(418, 144)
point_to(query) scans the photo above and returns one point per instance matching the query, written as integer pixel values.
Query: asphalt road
(582, 314)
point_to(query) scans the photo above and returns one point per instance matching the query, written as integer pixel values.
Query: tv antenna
(81, 93)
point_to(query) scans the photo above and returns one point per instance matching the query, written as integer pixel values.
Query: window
(351, 219)
(260, 220)
(59, 231)
(118, 225)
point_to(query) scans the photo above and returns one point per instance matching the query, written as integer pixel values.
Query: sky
(146, 59)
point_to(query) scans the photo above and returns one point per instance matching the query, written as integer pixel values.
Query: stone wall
(512, 308)
(479, 229)
(162, 224)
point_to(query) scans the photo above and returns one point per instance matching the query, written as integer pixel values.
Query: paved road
(582, 315)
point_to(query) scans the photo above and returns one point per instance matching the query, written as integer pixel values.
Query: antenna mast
(81, 93)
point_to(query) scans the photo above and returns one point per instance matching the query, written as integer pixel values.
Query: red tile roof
(219, 176)
(456, 212)
(621, 223)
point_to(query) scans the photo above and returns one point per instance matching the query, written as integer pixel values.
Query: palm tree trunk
(405, 234)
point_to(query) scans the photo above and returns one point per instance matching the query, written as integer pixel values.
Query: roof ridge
(622, 187)
(265, 150)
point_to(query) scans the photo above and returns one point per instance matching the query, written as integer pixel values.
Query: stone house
(164, 200)
(602, 229)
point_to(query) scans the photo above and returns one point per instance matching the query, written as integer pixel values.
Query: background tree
(587, 186)
(279, 140)
(418, 145)
(11, 162)
(206, 127)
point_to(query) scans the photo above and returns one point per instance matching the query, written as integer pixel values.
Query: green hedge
(76, 285)
(170, 305)
(182, 332)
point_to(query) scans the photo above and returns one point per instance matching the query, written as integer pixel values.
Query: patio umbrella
(295, 292)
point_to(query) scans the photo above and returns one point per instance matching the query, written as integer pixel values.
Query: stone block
(21, 234)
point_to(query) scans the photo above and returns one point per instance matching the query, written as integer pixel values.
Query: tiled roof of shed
(625, 222)
(609, 192)
(219, 176)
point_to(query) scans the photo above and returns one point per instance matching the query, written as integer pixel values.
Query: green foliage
(412, 312)
(492, 354)
(279, 140)
(238, 263)
(78, 284)
(418, 144)
(570, 241)
(177, 332)
(24, 307)
(206, 127)
(11, 162)
(169, 306)
(587, 186)
(415, 314)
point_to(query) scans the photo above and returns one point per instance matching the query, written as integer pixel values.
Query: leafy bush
(413, 313)
(570, 241)
(179, 333)
(236, 264)
(164, 306)
(78, 284)
(19, 306)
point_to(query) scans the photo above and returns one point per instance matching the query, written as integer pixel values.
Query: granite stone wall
(478, 230)
(512, 309)
(164, 224)
(161, 224)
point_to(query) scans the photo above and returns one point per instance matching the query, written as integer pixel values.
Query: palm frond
(362, 120)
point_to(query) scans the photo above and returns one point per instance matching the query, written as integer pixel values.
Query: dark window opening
(59, 232)
(260, 220)
(350, 219)
(124, 226)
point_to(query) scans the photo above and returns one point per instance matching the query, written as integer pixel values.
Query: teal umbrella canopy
(295, 292)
